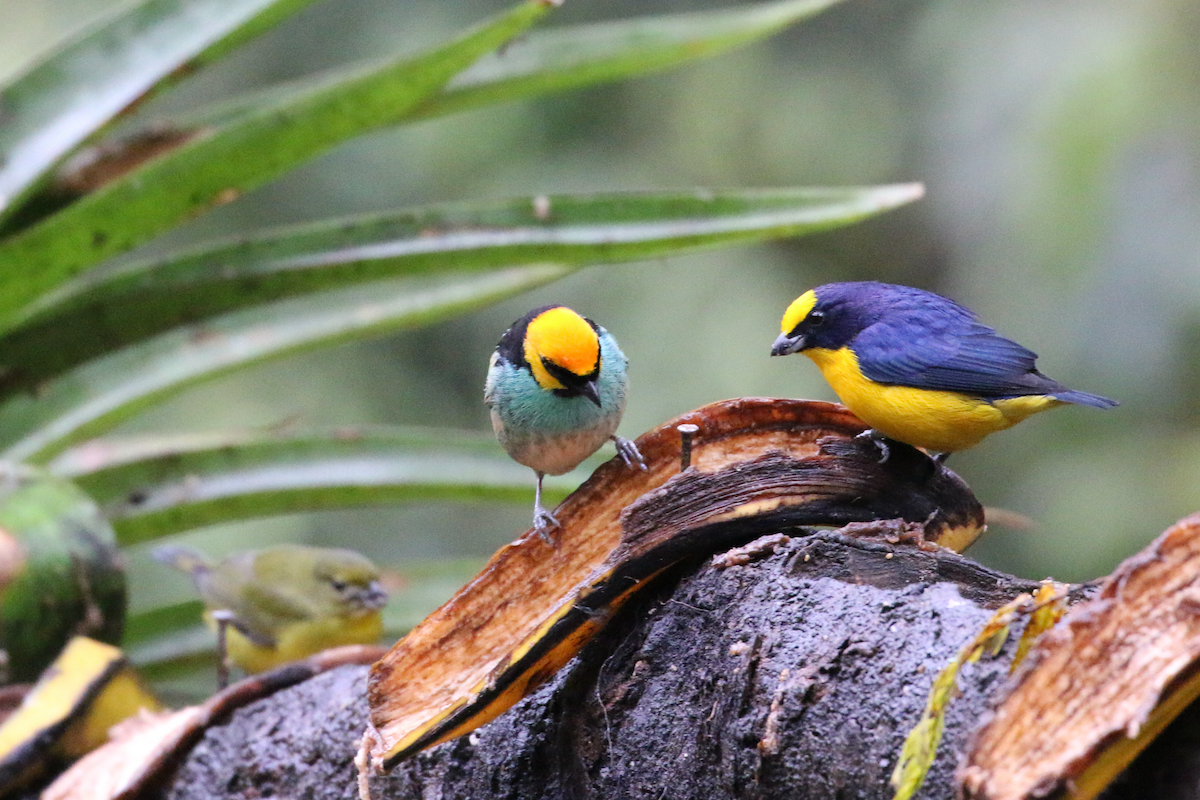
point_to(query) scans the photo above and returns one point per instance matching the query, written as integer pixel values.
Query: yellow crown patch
(564, 338)
(798, 310)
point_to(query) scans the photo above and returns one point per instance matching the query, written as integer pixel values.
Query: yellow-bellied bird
(287, 602)
(917, 367)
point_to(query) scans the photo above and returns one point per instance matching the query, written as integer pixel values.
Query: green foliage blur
(1060, 146)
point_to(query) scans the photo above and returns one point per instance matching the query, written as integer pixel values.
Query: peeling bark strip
(757, 465)
(1100, 685)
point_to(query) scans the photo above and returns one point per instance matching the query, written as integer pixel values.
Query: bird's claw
(543, 523)
(879, 440)
(629, 453)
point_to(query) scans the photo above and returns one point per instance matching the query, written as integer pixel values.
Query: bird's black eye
(338, 586)
(816, 318)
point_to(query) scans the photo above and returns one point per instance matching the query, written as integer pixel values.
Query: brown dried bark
(1106, 674)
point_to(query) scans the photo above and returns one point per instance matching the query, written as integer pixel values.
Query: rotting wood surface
(1116, 667)
(757, 463)
(797, 675)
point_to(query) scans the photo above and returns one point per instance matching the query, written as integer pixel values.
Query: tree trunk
(795, 675)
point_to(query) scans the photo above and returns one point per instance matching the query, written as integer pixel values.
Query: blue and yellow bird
(917, 367)
(556, 387)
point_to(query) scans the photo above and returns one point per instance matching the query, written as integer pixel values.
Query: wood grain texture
(1101, 684)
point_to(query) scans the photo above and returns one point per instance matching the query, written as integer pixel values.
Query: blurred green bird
(287, 602)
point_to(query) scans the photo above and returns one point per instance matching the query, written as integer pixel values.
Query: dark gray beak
(590, 391)
(786, 345)
(373, 596)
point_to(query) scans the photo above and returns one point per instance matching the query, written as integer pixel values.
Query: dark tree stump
(798, 675)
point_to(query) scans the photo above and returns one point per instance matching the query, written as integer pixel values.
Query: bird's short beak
(590, 391)
(373, 596)
(786, 345)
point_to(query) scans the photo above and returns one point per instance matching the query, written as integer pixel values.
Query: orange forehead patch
(565, 338)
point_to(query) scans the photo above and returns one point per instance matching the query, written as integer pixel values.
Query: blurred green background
(1059, 143)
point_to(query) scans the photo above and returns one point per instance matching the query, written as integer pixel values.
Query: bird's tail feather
(184, 559)
(1085, 399)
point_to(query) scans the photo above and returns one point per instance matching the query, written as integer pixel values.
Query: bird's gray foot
(543, 521)
(224, 618)
(544, 524)
(629, 453)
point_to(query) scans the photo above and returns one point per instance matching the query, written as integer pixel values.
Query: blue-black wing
(913, 347)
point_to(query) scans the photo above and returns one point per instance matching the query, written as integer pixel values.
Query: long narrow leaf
(541, 62)
(95, 314)
(572, 57)
(215, 167)
(159, 486)
(91, 399)
(152, 624)
(177, 651)
(568, 57)
(76, 90)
